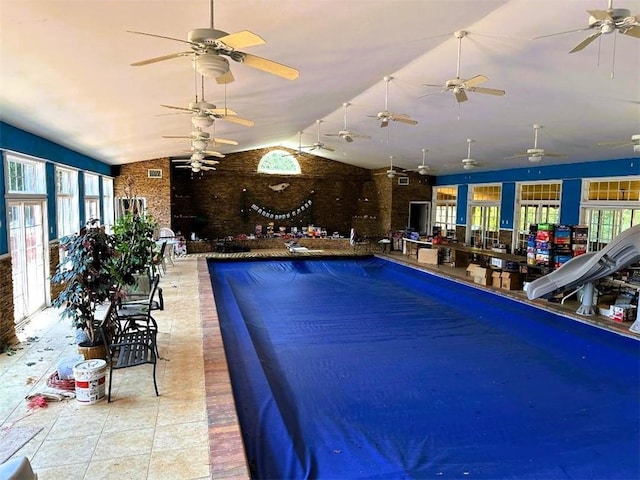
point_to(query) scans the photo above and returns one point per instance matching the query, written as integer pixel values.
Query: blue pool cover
(363, 368)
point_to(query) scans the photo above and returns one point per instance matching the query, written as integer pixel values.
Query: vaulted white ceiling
(66, 75)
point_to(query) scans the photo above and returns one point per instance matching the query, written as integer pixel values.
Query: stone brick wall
(225, 197)
(54, 258)
(7, 325)
(134, 181)
(342, 196)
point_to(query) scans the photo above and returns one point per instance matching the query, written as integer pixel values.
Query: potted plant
(134, 243)
(88, 273)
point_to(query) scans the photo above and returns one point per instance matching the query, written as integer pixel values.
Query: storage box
(480, 275)
(623, 313)
(428, 256)
(498, 262)
(510, 281)
(495, 279)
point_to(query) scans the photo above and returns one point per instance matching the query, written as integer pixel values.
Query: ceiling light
(636, 148)
(201, 120)
(391, 174)
(423, 169)
(211, 65)
(535, 158)
(197, 156)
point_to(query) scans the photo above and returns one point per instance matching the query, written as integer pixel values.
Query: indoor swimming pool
(364, 368)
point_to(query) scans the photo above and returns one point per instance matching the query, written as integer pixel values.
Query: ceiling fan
(385, 116)
(423, 169)
(459, 86)
(611, 20)
(634, 141)
(200, 140)
(391, 173)
(318, 145)
(535, 154)
(346, 134)
(469, 163)
(209, 47)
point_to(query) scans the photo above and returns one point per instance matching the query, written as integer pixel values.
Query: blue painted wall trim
(4, 229)
(17, 140)
(461, 207)
(506, 205)
(605, 168)
(570, 201)
(51, 201)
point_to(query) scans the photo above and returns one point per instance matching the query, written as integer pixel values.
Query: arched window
(279, 162)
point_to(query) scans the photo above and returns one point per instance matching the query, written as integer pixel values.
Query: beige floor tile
(121, 419)
(122, 468)
(125, 443)
(179, 436)
(65, 451)
(62, 472)
(79, 424)
(180, 464)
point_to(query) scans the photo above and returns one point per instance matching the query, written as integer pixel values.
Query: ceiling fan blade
(329, 149)
(461, 96)
(177, 136)
(243, 39)
(162, 36)
(331, 134)
(490, 91)
(213, 154)
(270, 66)
(633, 31)
(238, 120)
(160, 59)
(182, 166)
(178, 108)
(617, 144)
(601, 15)
(348, 138)
(220, 111)
(403, 118)
(224, 141)
(518, 155)
(205, 168)
(473, 81)
(557, 155)
(562, 33)
(224, 79)
(586, 42)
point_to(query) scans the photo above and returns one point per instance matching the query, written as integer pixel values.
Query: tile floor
(137, 435)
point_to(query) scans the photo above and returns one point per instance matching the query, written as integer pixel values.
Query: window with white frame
(91, 196)
(535, 203)
(67, 202)
(25, 176)
(609, 207)
(107, 204)
(484, 215)
(445, 209)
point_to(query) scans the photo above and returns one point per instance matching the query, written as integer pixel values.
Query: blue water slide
(619, 253)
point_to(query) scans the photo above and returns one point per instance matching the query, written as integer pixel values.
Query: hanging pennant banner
(267, 213)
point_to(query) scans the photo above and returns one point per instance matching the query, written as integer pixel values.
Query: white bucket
(90, 380)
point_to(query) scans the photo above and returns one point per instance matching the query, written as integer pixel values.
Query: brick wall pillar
(7, 322)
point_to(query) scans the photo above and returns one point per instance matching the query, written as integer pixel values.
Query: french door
(28, 256)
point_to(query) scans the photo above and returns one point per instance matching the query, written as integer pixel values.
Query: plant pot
(90, 352)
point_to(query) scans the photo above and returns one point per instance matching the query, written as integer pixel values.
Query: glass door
(27, 247)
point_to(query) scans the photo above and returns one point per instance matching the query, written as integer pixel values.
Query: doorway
(419, 215)
(28, 256)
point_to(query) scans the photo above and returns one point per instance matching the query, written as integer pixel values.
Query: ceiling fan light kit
(211, 65)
